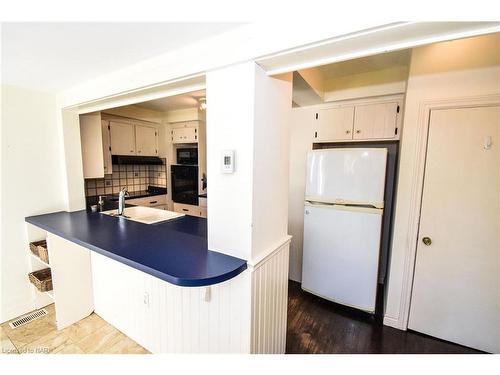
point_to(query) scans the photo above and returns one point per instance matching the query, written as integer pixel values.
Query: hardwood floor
(91, 335)
(319, 326)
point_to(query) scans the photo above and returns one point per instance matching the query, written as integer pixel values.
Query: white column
(247, 112)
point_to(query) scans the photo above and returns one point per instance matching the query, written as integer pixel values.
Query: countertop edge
(140, 267)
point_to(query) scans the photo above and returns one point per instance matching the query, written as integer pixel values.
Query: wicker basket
(39, 248)
(42, 279)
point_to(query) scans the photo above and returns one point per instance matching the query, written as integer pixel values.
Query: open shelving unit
(34, 234)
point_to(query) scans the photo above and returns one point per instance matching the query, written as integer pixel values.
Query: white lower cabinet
(189, 209)
(166, 318)
(152, 201)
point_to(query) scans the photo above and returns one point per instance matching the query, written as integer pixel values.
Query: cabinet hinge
(315, 134)
(316, 116)
(397, 109)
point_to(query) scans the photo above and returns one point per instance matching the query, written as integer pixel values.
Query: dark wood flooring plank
(319, 326)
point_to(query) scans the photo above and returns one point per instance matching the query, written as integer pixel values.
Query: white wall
(242, 44)
(32, 183)
(139, 113)
(458, 69)
(366, 84)
(301, 139)
(248, 208)
(187, 114)
(273, 104)
(230, 120)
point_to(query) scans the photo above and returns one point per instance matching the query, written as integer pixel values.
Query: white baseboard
(394, 323)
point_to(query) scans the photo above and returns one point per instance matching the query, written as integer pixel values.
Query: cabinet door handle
(358, 131)
(348, 132)
(131, 150)
(185, 209)
(153, 202)
(139, 151)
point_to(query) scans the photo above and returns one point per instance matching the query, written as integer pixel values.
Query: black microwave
(187, 156)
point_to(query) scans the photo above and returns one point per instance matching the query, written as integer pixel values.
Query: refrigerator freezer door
(347, 175)
(341, 254)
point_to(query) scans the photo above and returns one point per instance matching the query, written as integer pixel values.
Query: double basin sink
(145, 215)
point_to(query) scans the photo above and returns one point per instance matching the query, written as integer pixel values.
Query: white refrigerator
(344, 204)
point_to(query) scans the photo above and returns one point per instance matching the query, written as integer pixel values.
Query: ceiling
(55, 56)
(189, 100)
(365, 64)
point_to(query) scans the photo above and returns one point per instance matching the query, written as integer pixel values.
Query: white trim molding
(253, 264)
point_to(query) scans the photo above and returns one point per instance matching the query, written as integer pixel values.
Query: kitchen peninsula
(159, 284)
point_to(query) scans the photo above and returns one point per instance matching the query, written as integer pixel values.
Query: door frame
(423, 124)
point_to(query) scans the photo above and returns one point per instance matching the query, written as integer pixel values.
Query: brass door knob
(427, 241)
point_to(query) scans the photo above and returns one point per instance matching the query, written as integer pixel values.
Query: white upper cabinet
(92, 146)
(334, 124)
(106, 148)
(360, 121)
(375, 121)
(146, 138)
(130, 138)
(122, 136)
(185, 132)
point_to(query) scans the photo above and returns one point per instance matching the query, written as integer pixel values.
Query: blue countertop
(175, 251)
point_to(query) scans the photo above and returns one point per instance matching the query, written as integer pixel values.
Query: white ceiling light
(203, 103)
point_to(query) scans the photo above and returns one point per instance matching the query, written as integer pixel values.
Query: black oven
(187, 156)
(184, 184)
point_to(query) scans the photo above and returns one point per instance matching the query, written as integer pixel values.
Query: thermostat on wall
(228, 161)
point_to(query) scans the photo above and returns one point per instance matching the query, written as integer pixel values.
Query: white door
(341, 253)
(347, 175)
(456, 288)
(122, 137)
(334, 124)
(375, 121)
(146, 140)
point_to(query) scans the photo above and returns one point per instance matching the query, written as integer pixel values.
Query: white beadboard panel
(269, 302)
(166, 318)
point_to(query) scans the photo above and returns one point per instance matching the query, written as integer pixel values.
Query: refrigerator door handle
(362, 209)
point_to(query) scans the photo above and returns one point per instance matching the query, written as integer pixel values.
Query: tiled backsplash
(133, 177)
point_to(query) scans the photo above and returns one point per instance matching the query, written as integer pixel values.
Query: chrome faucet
(121, 200)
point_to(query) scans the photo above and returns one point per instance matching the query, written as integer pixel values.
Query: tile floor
(91, 335)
